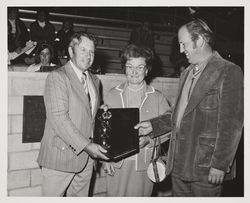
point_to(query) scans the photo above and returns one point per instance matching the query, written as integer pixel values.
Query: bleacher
(111, 38)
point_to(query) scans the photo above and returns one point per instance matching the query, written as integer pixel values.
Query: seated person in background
(128, 177)
(42, 31)
(17, 33)
(43, 57)
(62, 38)
(30, 46)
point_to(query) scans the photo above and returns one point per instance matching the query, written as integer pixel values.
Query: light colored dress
(130, 178)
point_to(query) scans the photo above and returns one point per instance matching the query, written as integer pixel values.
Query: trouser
(56, 183)
(181, 188)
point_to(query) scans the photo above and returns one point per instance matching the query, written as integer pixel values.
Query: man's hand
(144, 141)
(144, 127)
(96, 151)
(216, 176)
(105, 107)
(108, 168)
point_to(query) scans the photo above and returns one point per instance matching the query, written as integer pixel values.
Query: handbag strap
(155, 147)
(159, 147)
(157, 179)
(155, 169)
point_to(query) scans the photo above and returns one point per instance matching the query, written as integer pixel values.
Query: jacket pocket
(211, 100)
(59, 144)
(205, 151)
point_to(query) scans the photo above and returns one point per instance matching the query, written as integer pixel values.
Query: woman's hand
(108, 168)
(144, 141)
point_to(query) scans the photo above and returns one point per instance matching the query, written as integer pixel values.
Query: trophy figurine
(105, 129)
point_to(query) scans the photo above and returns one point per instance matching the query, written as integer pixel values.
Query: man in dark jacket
(207, 119)
(42, 31)
(18, 34)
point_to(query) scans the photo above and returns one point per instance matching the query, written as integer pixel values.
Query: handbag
(157, 167)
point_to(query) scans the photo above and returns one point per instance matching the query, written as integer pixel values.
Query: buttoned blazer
(69, 121)
(211, 127)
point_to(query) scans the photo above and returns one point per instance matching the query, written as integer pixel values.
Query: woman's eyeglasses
(138, 68)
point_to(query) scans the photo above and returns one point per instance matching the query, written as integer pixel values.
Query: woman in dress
(128, 177)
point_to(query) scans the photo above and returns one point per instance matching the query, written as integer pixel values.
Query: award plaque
(114, 131)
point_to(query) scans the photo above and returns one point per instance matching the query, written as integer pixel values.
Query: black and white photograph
(124, 100)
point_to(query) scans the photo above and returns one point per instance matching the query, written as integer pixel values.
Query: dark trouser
(182, 188)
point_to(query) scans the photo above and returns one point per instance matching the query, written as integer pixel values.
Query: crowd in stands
(49, 45)
(55, 44)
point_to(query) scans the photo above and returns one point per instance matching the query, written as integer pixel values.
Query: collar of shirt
(78, 72)
(201, 66)
(41, 24)
(12, 21)
(13, 25)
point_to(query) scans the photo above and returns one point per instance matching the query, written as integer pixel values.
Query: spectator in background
(43, 57)
(42, 31)
(142, 36)
(17, 32)
(63, 36)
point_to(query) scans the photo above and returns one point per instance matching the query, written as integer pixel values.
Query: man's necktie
(195, 72)
(85, 85)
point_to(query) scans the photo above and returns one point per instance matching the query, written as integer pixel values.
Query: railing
(173, 20)
(120, 25)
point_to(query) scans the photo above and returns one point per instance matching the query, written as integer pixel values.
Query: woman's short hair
(40, 48)
(76, 38)
(197, 28)
(135, 51)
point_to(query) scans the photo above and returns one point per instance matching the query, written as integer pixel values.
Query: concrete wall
(24, 175)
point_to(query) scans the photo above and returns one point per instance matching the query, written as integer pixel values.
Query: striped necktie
(85, 85)
(195, 72)
(84, 82)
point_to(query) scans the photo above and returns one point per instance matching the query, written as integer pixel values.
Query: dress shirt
(88, 83)
(192, 78)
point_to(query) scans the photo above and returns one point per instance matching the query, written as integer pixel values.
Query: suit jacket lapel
(77, 86)
(204, 83)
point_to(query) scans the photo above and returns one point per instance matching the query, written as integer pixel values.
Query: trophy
(114, 131)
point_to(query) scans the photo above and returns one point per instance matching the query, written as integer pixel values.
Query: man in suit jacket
(207, 119)
(66, 149)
